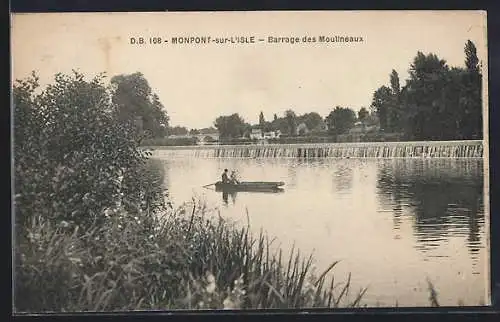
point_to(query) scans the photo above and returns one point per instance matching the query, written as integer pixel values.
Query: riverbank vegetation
(184, 261)
(94, 230)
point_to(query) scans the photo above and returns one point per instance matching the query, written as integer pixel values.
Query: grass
(187, 260)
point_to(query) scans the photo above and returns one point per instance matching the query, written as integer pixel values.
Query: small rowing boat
(249, 186)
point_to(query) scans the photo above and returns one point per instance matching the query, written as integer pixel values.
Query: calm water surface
(391, 223)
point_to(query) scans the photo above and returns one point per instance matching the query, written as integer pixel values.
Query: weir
(422, 149)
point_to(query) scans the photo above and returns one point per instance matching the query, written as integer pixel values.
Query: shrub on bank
(70, 151)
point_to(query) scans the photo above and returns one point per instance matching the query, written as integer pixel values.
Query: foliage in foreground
(71, 151)
(188, 260)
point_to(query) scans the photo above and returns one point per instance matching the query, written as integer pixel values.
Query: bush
(69, 150)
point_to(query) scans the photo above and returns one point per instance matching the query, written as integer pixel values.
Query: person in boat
(234, 178)
(225, 178)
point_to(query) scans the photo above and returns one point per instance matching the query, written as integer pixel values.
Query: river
(392, 223)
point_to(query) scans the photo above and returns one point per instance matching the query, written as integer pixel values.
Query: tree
(194, 132)
(279, 124)
(291, 121)
(340, 120)
(395, 87)
(387, 104)
(231, 126)
(372, 119)
(312, 120)
(209, 130)
(381, 104)
(471, 59)
(69, 150)
(471, 98)
(156, 118)
(263, 125)
(363, 114)
(275, 117)
(178, 130)
(394, 112)
(133, 99)
(429, 114)
(262, 120)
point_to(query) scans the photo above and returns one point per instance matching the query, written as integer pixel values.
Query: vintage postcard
(250, 160)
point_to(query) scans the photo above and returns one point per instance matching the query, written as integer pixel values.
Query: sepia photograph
(167, 161)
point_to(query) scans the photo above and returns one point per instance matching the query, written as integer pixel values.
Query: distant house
(272, 134)
(256, 134)
(361, 127)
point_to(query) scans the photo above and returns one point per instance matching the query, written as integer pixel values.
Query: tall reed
(189, 259)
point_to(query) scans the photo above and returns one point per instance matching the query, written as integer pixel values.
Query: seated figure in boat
(234, 178)
(225, 178)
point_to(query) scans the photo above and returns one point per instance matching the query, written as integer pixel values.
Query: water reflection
(226, 195)
(443, 199)
(292, 176)
(343, 177)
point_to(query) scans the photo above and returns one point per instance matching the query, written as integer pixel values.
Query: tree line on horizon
(437, 102)
(337, 122)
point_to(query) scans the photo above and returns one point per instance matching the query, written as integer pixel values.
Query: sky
(199, 82)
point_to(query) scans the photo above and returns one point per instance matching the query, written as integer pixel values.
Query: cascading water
(425, 149)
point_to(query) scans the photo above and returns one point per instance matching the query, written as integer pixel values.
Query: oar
(208, 185)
